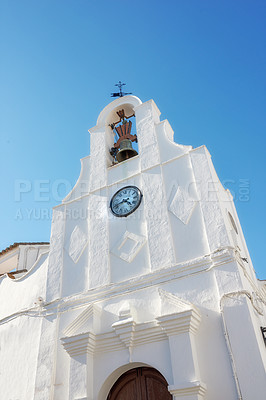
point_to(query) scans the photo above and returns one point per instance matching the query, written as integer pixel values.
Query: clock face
(125, 201)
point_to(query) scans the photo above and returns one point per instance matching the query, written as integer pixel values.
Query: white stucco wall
(166, 287)
(20, 330)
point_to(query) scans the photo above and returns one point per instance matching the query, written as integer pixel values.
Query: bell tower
(121, 248)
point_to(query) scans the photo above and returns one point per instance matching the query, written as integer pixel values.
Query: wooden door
(140, 384)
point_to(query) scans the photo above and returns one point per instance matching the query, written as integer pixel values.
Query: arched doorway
(140, 384)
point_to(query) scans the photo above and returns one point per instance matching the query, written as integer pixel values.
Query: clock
(125, 201)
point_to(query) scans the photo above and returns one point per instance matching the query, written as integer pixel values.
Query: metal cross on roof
(120, 93)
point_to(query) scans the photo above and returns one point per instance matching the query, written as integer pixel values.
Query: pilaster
(100, 155)
(180, 329)
(207, 188)
(55, 263)
(157, 220)
(78, 378)
(45, 365)
(99, 258)
(147, 115)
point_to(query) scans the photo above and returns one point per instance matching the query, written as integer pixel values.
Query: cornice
(127, 334)
(155, 278)
(188, 388)
(79, 344)
(222, 256)
(186, 321)
(89, 343)
(133, 335)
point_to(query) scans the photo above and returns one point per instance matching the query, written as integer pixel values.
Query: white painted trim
(188, 389)
(186, 321)
(132, 100)
(65, 199)
(203, 264)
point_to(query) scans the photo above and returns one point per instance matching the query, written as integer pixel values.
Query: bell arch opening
(141, 383)
(123, 127)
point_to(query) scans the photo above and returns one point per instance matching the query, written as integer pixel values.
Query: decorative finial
(120, 93)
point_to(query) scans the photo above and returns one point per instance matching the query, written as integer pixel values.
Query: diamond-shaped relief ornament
(182, 205)
(128, 246)
(76, 244)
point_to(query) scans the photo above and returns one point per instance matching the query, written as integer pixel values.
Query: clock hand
(123, 201)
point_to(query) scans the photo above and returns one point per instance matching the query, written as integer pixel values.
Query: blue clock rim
(134, 209)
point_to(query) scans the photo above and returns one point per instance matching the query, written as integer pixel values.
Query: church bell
(123, 149)
(126, 151)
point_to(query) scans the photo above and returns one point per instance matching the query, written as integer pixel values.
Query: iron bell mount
(123, 149)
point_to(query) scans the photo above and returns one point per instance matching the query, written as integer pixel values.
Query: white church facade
(146, 290)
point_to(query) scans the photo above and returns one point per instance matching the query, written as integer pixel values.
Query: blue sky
(202, 61)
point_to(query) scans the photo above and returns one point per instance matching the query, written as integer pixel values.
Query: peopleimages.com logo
(43, 191)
